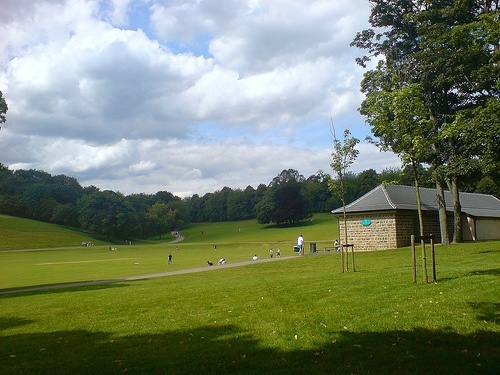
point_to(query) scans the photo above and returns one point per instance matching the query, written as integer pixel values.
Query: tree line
(287, 199)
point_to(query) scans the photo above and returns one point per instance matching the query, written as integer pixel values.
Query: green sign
(366, 222)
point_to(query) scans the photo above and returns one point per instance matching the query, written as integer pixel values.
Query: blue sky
(186, 96)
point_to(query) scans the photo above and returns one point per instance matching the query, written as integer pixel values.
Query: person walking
(278, 252)
(170, 259)
(300, 244)
(271, 252)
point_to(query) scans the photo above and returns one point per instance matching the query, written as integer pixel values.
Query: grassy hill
(322, 228)
(18, 233)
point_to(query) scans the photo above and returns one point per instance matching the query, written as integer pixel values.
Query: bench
(328, 248)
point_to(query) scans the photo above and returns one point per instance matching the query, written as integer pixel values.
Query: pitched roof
(398, 197)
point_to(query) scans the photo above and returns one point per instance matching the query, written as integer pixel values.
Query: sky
(184, 96)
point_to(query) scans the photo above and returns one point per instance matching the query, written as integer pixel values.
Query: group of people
(278, 252)
(300, 246)
(221, 262)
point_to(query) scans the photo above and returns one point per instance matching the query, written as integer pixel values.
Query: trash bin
(312, 247)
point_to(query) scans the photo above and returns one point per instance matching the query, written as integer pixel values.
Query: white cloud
(205, 97)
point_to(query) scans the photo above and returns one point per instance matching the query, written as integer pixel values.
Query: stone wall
(390, 229)
(380, 234)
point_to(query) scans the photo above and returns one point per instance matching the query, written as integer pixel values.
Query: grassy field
(63, 259)
(295, 316)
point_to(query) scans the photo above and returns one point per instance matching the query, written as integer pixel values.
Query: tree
(290, 206)
(8, 183)
(450, 49)
(65, 189)
(283, 201)
(3, 109)
(216, 205)
(342, 157)
(317, 193)
(12, 205)
(240, 205)
(107, 213)
(38, 202)
(365, 181)
(196, 205)
(181, 212)
(265, 208)
(399, 121)
(488, 186)
(66, 214)
(161, 218)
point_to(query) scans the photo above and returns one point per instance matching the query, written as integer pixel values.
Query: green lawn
(61, 263)
(300, 315)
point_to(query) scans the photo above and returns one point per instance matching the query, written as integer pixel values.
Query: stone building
(386, 217)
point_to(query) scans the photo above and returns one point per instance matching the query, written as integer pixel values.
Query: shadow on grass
(491, 272)
(6, 323)
(229, 350)
(487, 311)
(300, 224)
(62, 288)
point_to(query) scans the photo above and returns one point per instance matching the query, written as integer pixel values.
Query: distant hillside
(17, 233)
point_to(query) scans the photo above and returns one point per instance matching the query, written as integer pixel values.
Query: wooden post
(424, 261)
(433, 254)
(347, 257)
(342, 256)
(352, 249)
(414, 258)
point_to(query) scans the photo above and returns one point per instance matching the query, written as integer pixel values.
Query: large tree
(450, 50)
(161, 218)
(107, 213)
(399, 121)
(284, 201)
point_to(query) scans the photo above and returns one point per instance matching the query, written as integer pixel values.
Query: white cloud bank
(184, 96)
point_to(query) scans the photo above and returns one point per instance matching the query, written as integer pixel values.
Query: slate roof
(398, 197)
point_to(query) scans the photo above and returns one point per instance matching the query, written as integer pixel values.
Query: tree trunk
(421, 223)
(343, 209)
(457, 209)
(419, 202)
(443, 219)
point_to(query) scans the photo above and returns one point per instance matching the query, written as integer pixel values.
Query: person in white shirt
(300, 244)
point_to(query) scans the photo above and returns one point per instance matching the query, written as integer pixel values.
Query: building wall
(406, 225)
(468, 228)
(380, 234)
(487, 229)
(388, 230)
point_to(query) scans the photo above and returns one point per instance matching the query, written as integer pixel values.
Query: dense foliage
(288, 198)
(3, 108)
(434, 95)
